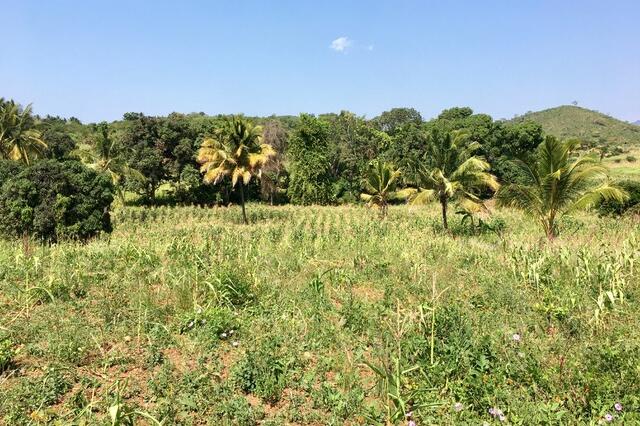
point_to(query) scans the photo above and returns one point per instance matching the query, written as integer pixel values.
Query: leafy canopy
(19, 139)
(235, 150)
(555, 183)
(380, 185)
(452, 171)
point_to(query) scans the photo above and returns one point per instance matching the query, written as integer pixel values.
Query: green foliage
(263, 371)
(236, 151)
(556, 184)
(52, 200)
(311, 180)
(19, 138)
(215, 325)
(451, 171)
(380, 186)
(393, 120)
(631, 204)
(6, 353)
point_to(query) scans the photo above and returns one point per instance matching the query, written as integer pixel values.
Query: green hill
(593, 128)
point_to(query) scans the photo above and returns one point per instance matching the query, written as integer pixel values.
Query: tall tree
(273, 173)
(19, 139)
(394, 119)
(451, 172)
(555, 183)
(311, 179)
(235, 150)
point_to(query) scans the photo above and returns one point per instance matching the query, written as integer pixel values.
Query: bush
(52, 200)
(6, 353)
(8, 169)
(263, 371)
(631, 159)
(617, 208)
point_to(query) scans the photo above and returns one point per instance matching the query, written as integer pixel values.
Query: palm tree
(452, 172)
(19, 140)
(107, 156)
(380, 186)
(235, 150)
(555, 184)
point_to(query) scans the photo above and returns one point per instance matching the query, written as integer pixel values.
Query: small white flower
(190, 324)
(516, 337)
(235, 344)
(223, 335)
(231, 332)
(458, 407)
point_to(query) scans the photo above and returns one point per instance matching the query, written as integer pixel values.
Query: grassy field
(323, 315)
(625, 166)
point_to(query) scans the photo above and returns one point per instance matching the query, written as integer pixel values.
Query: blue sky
(98, 59)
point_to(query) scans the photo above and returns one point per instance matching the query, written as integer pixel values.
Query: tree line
(459, 156)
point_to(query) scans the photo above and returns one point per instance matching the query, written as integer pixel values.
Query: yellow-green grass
(313, 294)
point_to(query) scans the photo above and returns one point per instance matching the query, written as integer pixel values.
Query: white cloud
(370, 47)
(341, 44)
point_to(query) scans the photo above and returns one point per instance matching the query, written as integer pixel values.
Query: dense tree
(380, 186)
(508, 142)
(391, 121)
(272, 181)
(556, 184)
(235, 150)
(60, 144)
(109, 156)
(19, 139)
(353, 143)
(145, 151)
(51, 200)
(451, 172)
(311, 179)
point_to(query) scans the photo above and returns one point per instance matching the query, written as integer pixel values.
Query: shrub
(52, 200)
(631, 159)
(8, 169)
(618, 208)
(262, 372)
(6, 353)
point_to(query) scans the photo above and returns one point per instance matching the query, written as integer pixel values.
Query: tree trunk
(443, 202)
(244, 213)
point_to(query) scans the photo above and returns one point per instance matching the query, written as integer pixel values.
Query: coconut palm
(380, 186)
(107, 156)
(235, 150)
(19, 140)
(557, 183)
(451, 172)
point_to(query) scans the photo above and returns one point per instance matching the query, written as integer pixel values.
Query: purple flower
(409, 414)
(492, 411)
(411, 423)
(608, 417)
(516, 337)
(618, 406)
(458, 407)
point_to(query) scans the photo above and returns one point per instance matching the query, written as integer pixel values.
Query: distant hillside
(637, 122)
(593, 128)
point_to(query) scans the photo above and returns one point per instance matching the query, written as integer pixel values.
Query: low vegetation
(323, 315)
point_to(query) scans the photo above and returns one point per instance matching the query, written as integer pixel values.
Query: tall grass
(310, 313)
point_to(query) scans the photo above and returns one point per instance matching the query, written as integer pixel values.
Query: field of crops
(323, 315)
